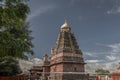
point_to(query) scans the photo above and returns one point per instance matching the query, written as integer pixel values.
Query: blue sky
(95, 24)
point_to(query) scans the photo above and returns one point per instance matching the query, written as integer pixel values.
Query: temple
(66, 59)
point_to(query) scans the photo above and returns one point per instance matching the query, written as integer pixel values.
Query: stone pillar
(46, 67)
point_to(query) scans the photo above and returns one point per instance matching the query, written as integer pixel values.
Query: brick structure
(66, 57)
(46, 67)
(116, 74)
(35, 72)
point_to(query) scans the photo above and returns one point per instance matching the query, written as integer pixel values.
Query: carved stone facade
(66, 60)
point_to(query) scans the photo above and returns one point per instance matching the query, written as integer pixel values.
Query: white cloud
(114, 10)
(40, 11)
(94, 57)
(111, 54)
(114, 52)
(111, 66)
(92, 61)
(89, 54)
(111, 57)
(25, 65)
(115, 47)
(37, 62)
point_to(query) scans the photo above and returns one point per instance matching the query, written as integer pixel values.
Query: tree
(9, 66)
(15, 39)
(102, 71)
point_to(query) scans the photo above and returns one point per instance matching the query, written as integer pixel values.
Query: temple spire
(66, 41)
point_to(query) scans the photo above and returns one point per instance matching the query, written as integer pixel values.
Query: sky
(95, 24)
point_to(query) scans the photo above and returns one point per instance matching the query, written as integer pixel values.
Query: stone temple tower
(66, 62)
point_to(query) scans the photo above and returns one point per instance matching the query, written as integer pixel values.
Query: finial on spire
(65, 24)
(65, 21)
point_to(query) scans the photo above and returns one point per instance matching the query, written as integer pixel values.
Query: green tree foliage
(102, 71)
(15, 39)
(9, 66)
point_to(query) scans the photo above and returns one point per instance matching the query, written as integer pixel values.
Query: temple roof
(66, 41)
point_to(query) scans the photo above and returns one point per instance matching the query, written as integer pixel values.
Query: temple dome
(65, 25)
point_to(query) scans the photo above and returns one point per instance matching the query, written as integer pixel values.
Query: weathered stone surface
(66, 57)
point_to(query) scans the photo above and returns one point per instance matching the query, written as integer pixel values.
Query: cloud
(112, 54)
(115, 47)
(111, 57)
(37, 62)
(96, 56)
(111, 66)
(40, 11)
(114, 10)
(88, 54)
(26, 65)
(107, 58)
(93, 61)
